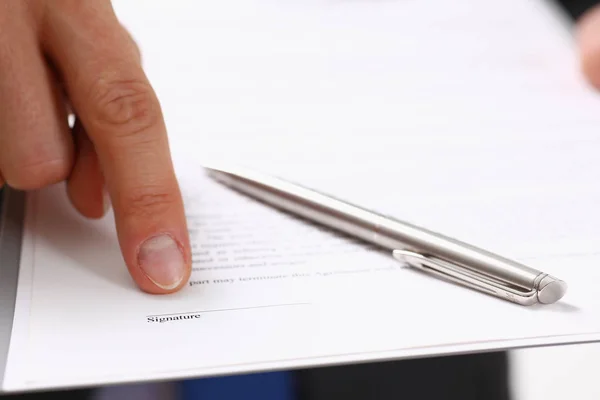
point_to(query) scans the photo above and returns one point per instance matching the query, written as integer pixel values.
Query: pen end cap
(551, 290)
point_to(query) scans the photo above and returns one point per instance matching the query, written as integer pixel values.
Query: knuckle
(148, 202)
(124, 108)
(36, 174)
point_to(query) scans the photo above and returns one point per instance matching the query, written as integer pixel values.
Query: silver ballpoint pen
(428, 251)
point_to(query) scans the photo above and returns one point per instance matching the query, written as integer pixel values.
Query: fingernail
(162, 261)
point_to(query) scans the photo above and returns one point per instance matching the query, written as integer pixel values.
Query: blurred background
(556, 373)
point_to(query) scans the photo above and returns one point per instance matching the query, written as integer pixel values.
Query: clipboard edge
(12, 216)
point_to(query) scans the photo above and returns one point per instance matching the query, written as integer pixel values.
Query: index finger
(117, 106)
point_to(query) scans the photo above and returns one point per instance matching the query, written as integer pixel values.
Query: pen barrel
(375, 228)
(392, 233)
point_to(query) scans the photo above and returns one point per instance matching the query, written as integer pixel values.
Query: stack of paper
(467, 117)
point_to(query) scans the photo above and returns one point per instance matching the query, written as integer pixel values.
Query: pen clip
(466, 277)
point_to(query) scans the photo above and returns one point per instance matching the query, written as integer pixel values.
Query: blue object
(263, 386)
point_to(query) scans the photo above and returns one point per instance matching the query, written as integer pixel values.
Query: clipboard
(12, 211)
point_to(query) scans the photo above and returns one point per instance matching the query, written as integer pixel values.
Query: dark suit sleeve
(576, 8)
(460, 377)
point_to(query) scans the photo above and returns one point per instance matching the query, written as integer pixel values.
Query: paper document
(469, 118)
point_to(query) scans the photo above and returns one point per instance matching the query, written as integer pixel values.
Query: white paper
(467, 117)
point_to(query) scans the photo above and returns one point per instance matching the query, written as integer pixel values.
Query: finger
(134, 45)
(121, 115)
(35, 144)
(588, 37)
(85, 185)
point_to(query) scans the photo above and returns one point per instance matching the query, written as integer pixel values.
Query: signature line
(230, 309)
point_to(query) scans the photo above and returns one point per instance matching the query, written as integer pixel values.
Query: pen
(428, 251)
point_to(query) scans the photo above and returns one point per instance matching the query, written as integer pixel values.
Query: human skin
(71, 56)
(63, 55)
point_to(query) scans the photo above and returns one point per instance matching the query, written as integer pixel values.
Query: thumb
(588, 40)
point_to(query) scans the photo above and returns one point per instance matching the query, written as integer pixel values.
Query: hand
(72, 54)
(588, 38)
